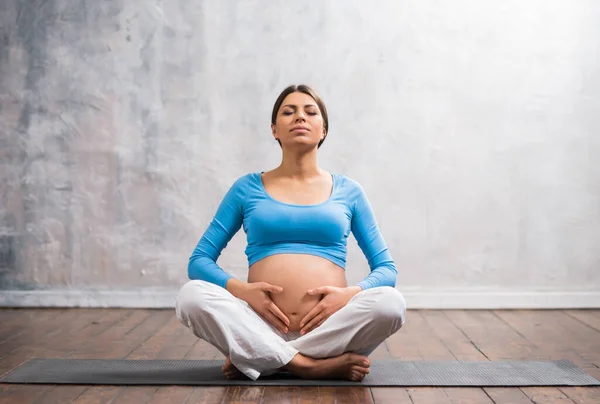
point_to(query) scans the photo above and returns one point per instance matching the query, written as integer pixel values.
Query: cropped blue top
(274, 227)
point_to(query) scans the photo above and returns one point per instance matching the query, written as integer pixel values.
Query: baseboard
(501, 299)
(416, 298)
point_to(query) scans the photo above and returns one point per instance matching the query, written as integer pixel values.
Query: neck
(299, 165)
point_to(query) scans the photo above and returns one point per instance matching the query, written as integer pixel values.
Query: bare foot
(230, 371)
(347, 366)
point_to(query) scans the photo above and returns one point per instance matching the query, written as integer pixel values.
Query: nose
(300, 115)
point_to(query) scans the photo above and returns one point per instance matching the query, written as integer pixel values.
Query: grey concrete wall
(473, 125)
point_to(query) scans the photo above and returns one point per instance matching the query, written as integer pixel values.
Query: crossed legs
(256, 348)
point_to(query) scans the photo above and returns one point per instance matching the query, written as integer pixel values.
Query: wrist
(236, 287)
(354, 290)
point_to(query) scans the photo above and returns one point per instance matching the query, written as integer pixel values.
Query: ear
(273, 131)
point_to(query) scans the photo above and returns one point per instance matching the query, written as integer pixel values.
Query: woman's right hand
(257, 296)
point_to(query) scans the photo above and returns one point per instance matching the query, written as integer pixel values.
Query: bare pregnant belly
(296, 274)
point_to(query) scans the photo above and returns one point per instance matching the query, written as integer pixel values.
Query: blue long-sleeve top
(274, 227)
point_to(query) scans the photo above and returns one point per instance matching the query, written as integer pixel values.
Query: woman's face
(299, 121)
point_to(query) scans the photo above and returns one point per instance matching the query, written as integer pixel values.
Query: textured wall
(473, 126)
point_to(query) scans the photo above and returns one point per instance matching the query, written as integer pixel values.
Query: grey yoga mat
(383, 373)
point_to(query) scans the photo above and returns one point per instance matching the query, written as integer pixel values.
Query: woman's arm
(366, 231)
(226, 222)
(369, 238)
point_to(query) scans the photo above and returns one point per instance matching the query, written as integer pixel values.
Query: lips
(299, 128)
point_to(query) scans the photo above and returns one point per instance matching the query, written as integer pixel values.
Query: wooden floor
(428, 334)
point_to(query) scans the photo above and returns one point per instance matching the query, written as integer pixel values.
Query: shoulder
(245, 179)
(351, 187)
(240, 186)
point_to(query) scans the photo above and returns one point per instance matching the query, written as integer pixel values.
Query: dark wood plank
(594, 372)
(118, 338)
(415, 341)
(425, 395)
(462, 348)
(86, 327)
(560, 335)
(243, 394)
(468, 395)
(158, 340)
(585, 316)
(546, 395)
(180, 344)
(407, 342)
(326, 395)
(381, 352)
(35, 328)
(309, 395)
(428, 334)
(189, 347)
(493, 337)
(353, 395)
(206, 395)
(581, 395)
(446, 342)
(390, 395)
(60, 394)
(442, 340)
(383, 395)
(121, 339)
(499, 340)
(452, 337)
(281, 395)
(15, 359)
(86, 323)
(134, 394)
(160, 335)
(22, 393)
(171, 395)
(430, 344)
(203, 350)
(97, 395)
(507, 395)
(12, 323)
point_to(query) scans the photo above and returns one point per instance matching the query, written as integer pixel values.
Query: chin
(305, 142)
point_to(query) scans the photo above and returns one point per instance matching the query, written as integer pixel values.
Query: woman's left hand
(335, 298)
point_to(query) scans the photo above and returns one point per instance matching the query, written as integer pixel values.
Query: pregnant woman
(296, 311)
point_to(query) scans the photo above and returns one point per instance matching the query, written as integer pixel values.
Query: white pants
(257, 348)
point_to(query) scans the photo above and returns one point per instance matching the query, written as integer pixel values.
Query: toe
(361, 370)
(360, 360)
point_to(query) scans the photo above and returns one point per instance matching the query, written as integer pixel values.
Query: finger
(318, 325)
(275, 310)
(319, 291)
(267, 287)
(312, 323)
(311, 314)
(307, 330)
(275, 321)
(322, 317)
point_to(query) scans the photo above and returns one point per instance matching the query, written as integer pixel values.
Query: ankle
(299, 363)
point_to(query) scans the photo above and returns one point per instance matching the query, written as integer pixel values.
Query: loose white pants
(257, 348)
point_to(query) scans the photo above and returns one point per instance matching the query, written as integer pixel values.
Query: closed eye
(290, 113)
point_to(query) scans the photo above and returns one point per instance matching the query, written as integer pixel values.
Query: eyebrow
(295, 106)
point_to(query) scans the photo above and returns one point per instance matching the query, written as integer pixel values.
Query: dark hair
(302, 88)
